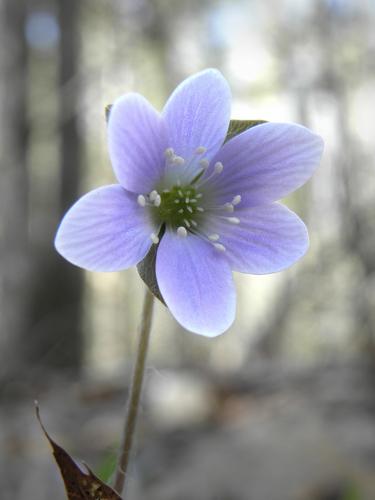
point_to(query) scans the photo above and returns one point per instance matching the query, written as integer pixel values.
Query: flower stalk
(134, 393)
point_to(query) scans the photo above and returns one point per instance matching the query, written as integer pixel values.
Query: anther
(169, 153)
(187, 223)
(213, 237)
(200, 150)
(228, 207)
(233, 220)
(181, 231)
(157, 200)
(200, 209)
(218, 167)
(199, 195)
(195, 224)
(153, 195)
(187, 200)
(154, 238)
(177, 200)
(236, 200)
(189, 209)
(181, 211)
(204, 163)
(180, 193)
(178, 160)
(219, 247)
(141, 200)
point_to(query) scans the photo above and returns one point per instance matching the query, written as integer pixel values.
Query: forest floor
(271, 433)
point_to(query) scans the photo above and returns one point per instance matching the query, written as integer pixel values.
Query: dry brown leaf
(79, 485)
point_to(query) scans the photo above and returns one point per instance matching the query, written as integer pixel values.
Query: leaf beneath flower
(238, 126)
(147, 271)
(107, 110)
(79, 485)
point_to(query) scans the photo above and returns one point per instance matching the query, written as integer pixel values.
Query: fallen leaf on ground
(79, 485)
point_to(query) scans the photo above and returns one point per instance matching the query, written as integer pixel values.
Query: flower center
(184, 201)
(178, 207)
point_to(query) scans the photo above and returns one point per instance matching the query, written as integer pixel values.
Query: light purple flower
(216, 202)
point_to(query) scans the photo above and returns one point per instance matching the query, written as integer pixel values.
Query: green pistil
(178, 207)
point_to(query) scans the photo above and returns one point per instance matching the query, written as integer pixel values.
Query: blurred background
(282, 406)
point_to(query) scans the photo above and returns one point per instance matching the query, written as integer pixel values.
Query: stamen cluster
(182, 206)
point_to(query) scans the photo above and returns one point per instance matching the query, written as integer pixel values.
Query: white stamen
(228, 207)
(219, 247)
(218, 167)
(181, 211)
(181, 231)
(213, 237)
(233, 220)
(200, 209)
(169, 153)
(187, 200)
(236, 200)
(177, 200)
(199, 195)
(187, 223)
(204, 163)
(200, 150)
(157, 200)
(141, 200)
(154, 238)
(189, 209)
(153, 195)
(178, 160)
(192, 200)
(180, 193)
(195, 224)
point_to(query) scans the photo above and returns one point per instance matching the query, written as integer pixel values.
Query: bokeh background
(282, 406)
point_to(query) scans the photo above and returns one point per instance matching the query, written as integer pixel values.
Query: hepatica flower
(209, 206)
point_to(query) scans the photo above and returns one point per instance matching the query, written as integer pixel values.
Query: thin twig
(135, 392)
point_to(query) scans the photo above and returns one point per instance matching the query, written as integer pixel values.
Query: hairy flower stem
(134, 393)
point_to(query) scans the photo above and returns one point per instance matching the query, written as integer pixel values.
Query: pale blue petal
(268, 239)
(266, 163)
(105, 230)
(198, 114)
(137, 142)
(196, 283)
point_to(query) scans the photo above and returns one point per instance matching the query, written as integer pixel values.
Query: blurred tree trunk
(356, 216)
(70, 296)
(58, 287)
(13, 186)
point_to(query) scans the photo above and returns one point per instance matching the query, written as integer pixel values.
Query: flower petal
(105, 230)
(196, 283)
(268, 239)
(137, 141)
(198, 113)
(266, 162)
